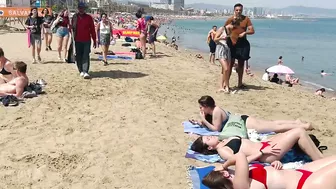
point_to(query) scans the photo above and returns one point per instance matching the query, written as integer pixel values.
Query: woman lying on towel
(215, 118)
(317, 174)
(273, 149)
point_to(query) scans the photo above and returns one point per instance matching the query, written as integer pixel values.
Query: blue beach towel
(197, 129)
(197, 174)
(110, 57)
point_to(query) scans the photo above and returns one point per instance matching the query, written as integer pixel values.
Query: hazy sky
(269, 3)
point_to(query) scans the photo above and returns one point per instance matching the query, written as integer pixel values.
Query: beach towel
(196, 174)
(203, 131)
(197, 129)
(110, 57)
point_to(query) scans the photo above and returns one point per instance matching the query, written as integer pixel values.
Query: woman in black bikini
(6, 68)
(317, 174)
(268, 151)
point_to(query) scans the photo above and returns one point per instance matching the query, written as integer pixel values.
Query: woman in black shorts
(212, 44)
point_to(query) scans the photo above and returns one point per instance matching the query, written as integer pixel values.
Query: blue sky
(269, 3)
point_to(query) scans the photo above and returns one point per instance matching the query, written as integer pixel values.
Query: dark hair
(322, 89)
(275, 75)
(44, 10)
(322, 71)
(216, 180)
(102, 14)
(238, 5)
(200, 147)
(214, 26)
(138, 14)
(151, 18)
(20, 66)
(207, 101)
(280, 57)
(61, 14)
(1, 52)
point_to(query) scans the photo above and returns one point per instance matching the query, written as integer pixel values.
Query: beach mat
(197, 174)
(113, 57)
(116, 53)
(197, 129)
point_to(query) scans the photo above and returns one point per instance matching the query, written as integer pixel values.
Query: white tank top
(104, 29)
(224, 34)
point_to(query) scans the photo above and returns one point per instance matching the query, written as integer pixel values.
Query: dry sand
(122, 129)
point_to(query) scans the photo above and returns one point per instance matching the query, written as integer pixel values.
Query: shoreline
(259, 71)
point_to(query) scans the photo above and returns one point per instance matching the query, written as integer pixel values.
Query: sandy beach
(122, 129)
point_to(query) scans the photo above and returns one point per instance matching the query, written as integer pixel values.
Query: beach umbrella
(161, 38)
(280, 69)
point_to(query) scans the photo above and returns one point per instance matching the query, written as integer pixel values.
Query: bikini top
(234, 144)
(4, 72)
(259, 174)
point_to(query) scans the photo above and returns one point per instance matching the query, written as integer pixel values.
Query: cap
(81, 5)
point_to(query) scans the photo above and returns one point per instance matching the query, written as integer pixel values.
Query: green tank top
(235, 126)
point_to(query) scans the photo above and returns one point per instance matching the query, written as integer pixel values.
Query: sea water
(315, 40)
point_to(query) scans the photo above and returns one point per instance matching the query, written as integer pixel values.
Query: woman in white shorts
(223, 55)
(48, 20)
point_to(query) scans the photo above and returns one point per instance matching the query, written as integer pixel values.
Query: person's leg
(240, 72)
(265, 126)
(153, 49)
(65, 42)
(143, 44)
(79, 56)
(50, 40)
(46, 38)
(318, 164)
(104, 53)
(325, 177)
(225, 82)
(86, 56)
(285, 141)
(33, 50)
(59, 46)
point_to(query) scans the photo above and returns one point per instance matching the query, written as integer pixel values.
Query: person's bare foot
(221, 90)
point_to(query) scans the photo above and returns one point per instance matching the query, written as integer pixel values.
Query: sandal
(10, 100)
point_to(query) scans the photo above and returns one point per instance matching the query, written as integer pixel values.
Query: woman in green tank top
(215, 119)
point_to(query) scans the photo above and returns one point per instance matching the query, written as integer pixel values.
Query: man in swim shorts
(16, 86)
(237, 41)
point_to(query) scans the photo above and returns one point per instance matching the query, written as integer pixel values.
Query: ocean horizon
(315, 40)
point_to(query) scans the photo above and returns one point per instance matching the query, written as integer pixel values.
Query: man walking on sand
(237, 41)
(83, 30)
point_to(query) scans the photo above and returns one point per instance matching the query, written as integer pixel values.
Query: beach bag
(296, 148)
(71, 55)
(128, 39)
(138, 55)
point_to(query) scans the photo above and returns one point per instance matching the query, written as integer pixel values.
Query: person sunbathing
(317, 174)
(16, 86)
(6, 68)
(268, 151)
(291, 80)
(216, 118)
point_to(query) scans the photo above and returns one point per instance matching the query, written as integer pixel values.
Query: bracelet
(262, 153)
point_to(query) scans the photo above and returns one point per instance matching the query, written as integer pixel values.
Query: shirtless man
(6, 68)
(16, 86)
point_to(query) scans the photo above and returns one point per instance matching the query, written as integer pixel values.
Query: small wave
(318, 85)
